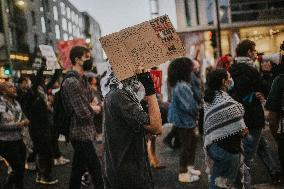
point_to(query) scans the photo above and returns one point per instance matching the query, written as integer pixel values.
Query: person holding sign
(183, 113)
(125, 127)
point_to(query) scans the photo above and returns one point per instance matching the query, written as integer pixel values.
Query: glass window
(223, 11)
(48, 25)
(68, 12)
(80, 22)
(43, 29)
(55, 13)
(187, 12)
(65, 36)
(72, 16)
(70, 27)
(74, 30)
(41, 9)
(209, 10)
(63, 10)
(64, 24)
(77, 19)
(36, 40)
(11, 37)
(77, 32)
(46, 4)
(57, 31)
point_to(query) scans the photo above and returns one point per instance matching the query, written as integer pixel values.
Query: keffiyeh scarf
(131, 85)
(245, 60)
(222, 118)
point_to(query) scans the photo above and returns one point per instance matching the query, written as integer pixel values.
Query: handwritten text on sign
(148, 44)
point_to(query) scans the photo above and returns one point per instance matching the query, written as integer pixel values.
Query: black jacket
(247, 82)
(38, 112)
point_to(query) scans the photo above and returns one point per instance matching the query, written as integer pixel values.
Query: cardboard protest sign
(51, 60)
(147, 44)
(157, 79)
(64, 48)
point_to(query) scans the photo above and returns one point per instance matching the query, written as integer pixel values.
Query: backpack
(62, 117)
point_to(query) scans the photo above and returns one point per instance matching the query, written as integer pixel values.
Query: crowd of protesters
(127, 116)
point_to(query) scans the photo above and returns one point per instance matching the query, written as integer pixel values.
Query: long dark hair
(214, 83)
(179, 70)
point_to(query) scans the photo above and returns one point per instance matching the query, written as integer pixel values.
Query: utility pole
(218, 33)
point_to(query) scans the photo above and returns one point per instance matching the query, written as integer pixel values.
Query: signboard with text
(148, 44)
(51, 60)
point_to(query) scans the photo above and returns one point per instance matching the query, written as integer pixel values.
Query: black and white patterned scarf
(245, 60)
(222, 118)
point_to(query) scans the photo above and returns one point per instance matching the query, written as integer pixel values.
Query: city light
(88, 40)
(20, 3)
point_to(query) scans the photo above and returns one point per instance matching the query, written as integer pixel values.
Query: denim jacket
(184, 107)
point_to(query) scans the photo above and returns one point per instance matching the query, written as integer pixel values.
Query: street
(163, 178)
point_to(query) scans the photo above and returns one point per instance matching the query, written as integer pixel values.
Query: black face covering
(88, 64)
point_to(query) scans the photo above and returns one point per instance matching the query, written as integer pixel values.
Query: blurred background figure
(12, 147)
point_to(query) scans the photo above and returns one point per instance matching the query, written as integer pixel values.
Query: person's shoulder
(70, 81)
(182, 85)
(116, 93)
(279, 81)
(280, 78)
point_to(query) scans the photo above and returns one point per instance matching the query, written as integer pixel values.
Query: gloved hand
(147, 82)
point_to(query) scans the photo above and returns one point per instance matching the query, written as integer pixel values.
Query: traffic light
(212, 36)
(7, 70)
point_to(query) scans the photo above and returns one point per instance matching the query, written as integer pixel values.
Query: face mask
(231, 86)
(88, 65)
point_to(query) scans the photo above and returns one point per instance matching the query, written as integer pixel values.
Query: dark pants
(173, 134)
(32, 157)
(15, 153)
(44, 152)
(265, 153)
(55, 145)
(280, 143)
(85, 157)
(43, 148)
(188, 141)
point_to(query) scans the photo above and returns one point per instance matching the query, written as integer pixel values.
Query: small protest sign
(51, 60)
(148, 44)
(157, 79)
(64, 48)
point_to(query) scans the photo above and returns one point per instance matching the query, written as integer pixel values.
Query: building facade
(259, 20)
(92, 33)
(38, 22)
